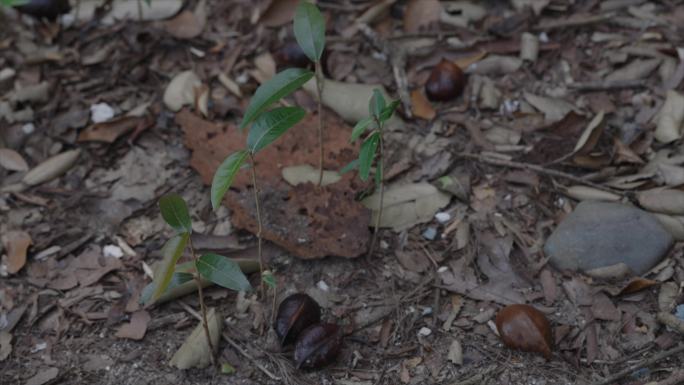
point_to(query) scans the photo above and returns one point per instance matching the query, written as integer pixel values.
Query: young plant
(372, 146)
(212, 267)
(267, 126)
(309, 31)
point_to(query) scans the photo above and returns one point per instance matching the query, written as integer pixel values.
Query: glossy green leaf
(387, 112)
(368, 148)
(360, 127)
(172, 251)
(223, 272)
(377, 104)
(224, 176)
(354, 164)
(270, 125)
(174, 210)
(279, 86)
(177, 279)
(309, 30)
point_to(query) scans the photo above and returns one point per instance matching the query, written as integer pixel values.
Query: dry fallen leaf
(553, 109)
(666, 201)
(110, 130)
(188, 25)
(670, 118)
(455, 354)
(305, 173)
(5, 345)
(420, 14)
(51, 168)
(181, 91)
(279, 12)
(195, 351)
(16, 243)
(420, 106)
(44, 376)
(407, 205)
(12, 160)
(135, 329)
(127, 10)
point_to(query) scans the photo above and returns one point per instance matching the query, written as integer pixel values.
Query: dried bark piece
(318, 346)
(296, 313)
(525, 328)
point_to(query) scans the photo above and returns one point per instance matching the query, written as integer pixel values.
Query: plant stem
(319, 89)
(140, 10)
(259, 225)
(381, 167)
(203, 308)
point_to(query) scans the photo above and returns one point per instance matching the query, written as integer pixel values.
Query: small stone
(679, 312)
(101, 112)
(424, 332)
(601, 235)
(442, 217)
(114, 251)
(430, 233)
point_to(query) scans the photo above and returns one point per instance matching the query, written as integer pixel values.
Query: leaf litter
(520, 121)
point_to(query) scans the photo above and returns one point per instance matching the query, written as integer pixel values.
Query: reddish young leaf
(317, 346)
(296, 313)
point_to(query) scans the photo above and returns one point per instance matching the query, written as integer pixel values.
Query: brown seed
(525, 328)
(295, 313)
(446, 82)
(317, 346)
(291, 55)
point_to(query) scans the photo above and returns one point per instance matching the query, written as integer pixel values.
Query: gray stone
(600, 235)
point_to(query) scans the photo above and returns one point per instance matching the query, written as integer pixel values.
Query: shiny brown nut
(318, 346)
(291, 55)
(295, 313)
(525, 328)
(446, 82)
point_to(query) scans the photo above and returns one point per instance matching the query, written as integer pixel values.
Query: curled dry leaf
(181, 90)
(296, 313)
(16, 243)
(195, 351)
(525, 328)
(420, 14)
(317, 346)
(670, 118)
(188, 25)
(421, 107)
(584, 193)
(446, 82)
(666, 201)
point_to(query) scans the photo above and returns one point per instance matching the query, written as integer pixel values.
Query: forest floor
(592, 111)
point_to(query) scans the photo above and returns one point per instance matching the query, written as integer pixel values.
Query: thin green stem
(259, 225)
(319, 89)
(203, 308)
(381, 170)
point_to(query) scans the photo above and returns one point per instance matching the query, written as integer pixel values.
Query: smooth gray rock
(598, 235)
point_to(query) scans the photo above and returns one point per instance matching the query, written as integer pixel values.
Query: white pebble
(101, 112)
(112, 251)
(442, 217)
(424, 332)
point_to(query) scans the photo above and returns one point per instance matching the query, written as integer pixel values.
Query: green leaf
(387, 112)
(269, 279)
(309, 30)
(174, 210)
(368, 148)
(177, 279)
(223, 272)
(279, 86)
(377, 103)
(354, 164)
(360, 128)
(13, 3)
(172, 251)
(270, 125)
(224, 176)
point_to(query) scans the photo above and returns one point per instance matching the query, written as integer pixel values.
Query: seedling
(212, 267)
(267, 126)
(372, 146)
(309, 30)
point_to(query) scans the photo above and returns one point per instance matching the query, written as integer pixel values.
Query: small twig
(575, 21)
(648, 362)
(203, 308)
(319, 89)
(603, 85)
(397, 58)
(259, 226)
(538, 169)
